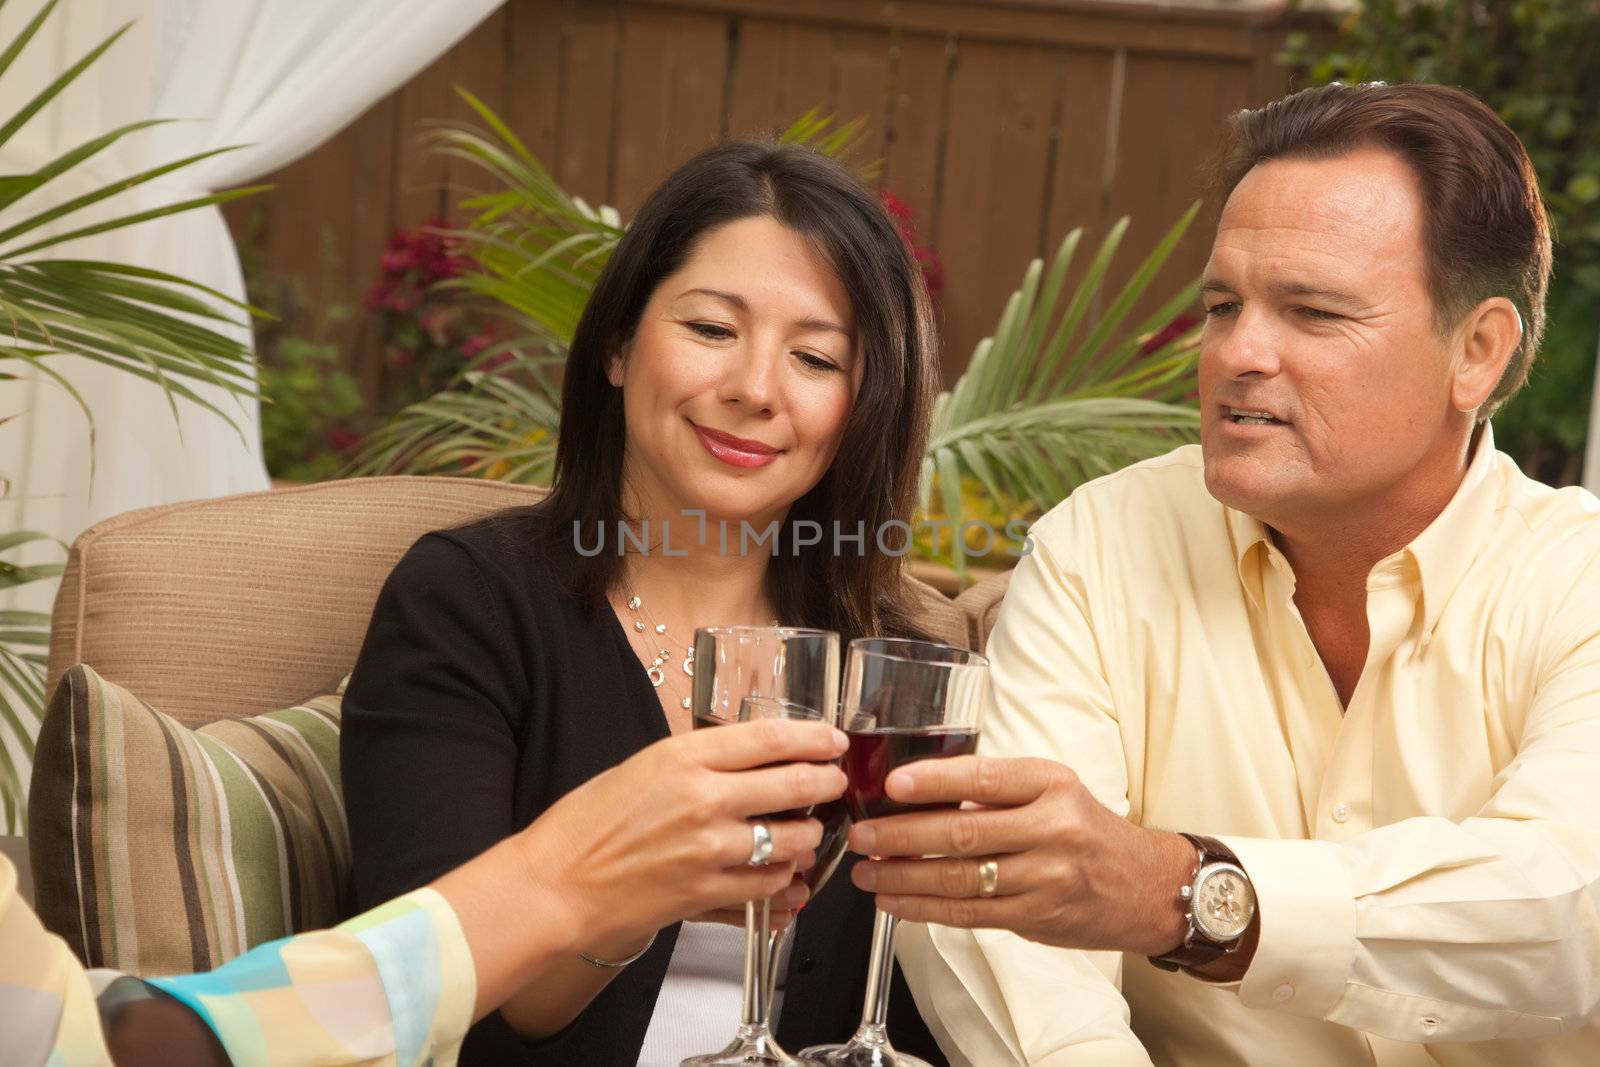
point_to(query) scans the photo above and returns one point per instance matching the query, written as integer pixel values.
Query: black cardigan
(485, 692)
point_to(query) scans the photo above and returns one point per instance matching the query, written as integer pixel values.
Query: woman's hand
(666, 835)
(783, 907)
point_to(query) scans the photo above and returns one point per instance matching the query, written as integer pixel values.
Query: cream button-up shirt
(1427, 861)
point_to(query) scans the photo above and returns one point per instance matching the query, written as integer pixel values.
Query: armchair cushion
(160, 849)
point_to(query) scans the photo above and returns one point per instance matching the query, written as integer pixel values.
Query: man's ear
(1489, 335)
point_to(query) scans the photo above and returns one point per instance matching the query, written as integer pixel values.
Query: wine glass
(903, 701)
(754, 672)
(835, 819)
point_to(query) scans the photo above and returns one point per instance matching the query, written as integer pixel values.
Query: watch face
(1224, 904)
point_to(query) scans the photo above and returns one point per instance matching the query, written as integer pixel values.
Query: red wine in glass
(835, 819)
(903, 700)
(874, 753)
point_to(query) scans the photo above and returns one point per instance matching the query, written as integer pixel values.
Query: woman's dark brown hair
(1485, 231)
(873, 478)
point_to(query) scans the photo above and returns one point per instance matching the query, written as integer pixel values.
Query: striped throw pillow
(159, 849)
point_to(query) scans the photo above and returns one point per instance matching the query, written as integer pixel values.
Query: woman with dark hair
(744, 413)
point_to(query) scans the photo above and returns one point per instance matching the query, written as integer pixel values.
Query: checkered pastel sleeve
(393, 987)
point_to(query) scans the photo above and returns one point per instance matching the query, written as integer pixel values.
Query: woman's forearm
(526, 938)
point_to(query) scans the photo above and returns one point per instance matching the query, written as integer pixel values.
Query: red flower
(376, 296)
(905, 218)
(898, 209)
(395, 260)
(342, 440)
(403, 299)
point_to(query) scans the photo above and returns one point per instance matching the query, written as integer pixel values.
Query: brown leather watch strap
(1211, 850)
(1197, 949)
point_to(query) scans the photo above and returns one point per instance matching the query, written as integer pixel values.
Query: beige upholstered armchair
(185, 801)
(228, 607)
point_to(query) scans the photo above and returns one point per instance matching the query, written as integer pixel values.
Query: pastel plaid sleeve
(393, 987)
(48, 1016)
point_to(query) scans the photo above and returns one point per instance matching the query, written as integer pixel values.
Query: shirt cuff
(1305, 901)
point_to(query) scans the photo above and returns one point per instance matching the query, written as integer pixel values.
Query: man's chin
(1247, 488)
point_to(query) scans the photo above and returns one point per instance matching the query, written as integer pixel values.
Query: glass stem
(775, 945)
(757, 920)
(880, 969)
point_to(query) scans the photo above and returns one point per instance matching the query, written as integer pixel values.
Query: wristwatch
(1221, 904)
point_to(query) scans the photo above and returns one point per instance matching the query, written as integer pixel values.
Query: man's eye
(1216, 311)
(710, 330)
(1318, 313)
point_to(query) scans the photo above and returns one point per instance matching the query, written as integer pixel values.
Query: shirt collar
(1442, 552)
(1252, 542)
(1446, 549)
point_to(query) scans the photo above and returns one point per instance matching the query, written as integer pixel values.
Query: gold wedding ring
(988, 878)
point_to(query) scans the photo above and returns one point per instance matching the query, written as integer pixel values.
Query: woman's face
(737, 384)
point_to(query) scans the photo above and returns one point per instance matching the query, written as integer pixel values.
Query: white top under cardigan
(697, 1010)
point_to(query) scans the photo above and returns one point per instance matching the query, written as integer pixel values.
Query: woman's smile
(736, 451)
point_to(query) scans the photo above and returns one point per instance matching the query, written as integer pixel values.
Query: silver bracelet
(614, 964)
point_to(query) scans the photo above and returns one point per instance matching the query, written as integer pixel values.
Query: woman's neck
(693, 568)
(701, 586)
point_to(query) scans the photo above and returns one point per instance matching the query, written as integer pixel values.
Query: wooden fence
(1002, 124)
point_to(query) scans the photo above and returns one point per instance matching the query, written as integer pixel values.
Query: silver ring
(760, 845)
(988, 878)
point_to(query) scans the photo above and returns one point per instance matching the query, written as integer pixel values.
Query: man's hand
(1071, 873)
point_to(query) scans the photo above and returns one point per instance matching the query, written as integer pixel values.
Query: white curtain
(277, 76)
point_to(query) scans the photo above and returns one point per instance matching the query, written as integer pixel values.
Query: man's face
(1324, 382)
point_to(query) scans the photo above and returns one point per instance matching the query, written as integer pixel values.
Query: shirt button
(1341, 813)
(1283, 992)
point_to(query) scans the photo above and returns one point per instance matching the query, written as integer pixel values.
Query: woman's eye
(816, 362)
(1216, 311)
(710, 330)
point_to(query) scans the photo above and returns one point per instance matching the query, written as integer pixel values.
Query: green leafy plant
(147, 323)
(1061, 393)
(24, 637)
(310, 425)
(1054, 398)
(1537, 63)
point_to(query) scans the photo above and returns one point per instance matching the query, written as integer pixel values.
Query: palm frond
(497, 423)
(147, 323)
(23, 637)
(1040, 410)
(539, 250)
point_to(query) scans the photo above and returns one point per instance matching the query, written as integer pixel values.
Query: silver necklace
(657, 675)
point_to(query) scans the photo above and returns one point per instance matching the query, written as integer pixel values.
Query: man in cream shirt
(1343, 643)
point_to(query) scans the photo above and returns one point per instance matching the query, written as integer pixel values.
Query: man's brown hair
(1485, 231)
